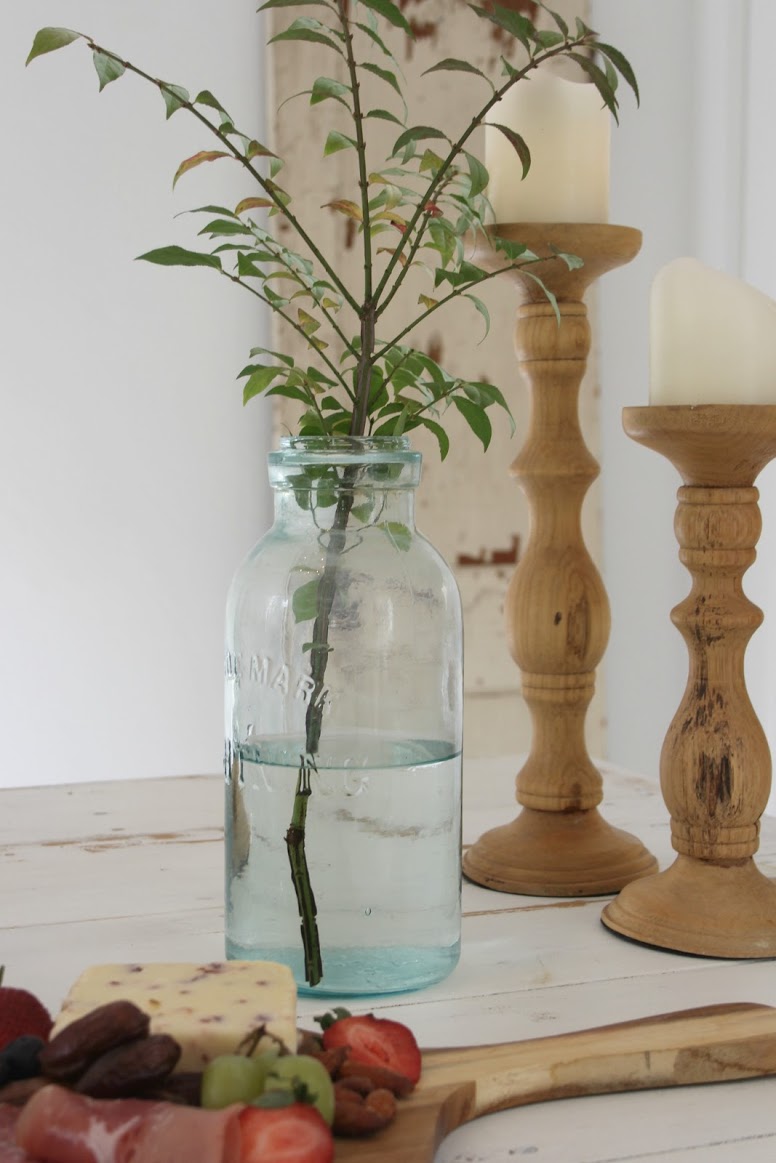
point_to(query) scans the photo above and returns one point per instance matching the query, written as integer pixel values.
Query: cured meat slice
(9, 1151)
(62, 1127)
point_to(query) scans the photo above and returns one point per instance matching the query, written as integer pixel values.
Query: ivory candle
(567, 130)
(712, 338)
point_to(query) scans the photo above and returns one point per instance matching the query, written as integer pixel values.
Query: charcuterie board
(712, 1044)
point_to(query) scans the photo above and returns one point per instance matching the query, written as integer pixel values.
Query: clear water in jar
(383, 844)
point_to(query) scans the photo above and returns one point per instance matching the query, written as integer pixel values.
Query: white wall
(653, 188)
(131, 479)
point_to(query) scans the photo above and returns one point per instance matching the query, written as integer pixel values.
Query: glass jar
(343, 728)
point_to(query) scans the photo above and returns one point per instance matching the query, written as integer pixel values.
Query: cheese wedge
(208, 1009)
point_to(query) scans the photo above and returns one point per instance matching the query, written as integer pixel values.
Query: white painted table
(133, 872)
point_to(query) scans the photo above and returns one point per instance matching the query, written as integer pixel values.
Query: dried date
(130, 1069)
(74, 1048)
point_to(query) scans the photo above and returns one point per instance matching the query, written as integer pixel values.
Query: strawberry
(21, 1013)
(375, 1041)
(292, 1133)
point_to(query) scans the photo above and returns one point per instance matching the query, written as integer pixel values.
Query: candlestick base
(715, 766)
(557, 854)
(696, 907)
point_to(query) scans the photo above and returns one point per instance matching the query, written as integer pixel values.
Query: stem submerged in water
(319, 654)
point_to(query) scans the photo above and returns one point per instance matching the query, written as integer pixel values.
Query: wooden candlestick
(557, 613)
(715, 767)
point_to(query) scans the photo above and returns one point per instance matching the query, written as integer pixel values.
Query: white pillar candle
(712, 338)
(567, 130)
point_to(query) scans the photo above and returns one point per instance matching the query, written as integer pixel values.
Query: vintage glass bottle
(344, 714)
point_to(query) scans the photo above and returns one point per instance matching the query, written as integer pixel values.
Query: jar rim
(371, 455)
(344, 443)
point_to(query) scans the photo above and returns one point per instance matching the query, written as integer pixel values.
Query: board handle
(711, 1044)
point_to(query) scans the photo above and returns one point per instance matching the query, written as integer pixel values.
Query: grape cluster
(268, 1079)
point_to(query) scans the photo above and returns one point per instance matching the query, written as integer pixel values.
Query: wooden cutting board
(713, 1044)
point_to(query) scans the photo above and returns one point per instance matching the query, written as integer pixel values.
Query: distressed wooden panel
(468, 506)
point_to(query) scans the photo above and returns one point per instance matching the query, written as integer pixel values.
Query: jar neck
(371, 479)
(366, 505)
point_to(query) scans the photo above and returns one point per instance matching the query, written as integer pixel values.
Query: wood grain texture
(715, 764)
(557, 611)
(713, 1044)
(529, 967)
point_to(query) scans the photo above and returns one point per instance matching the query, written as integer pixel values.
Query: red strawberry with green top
(290, 1133)
(21, 1013)
(375, 1041)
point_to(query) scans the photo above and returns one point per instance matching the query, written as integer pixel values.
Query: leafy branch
(433, 202)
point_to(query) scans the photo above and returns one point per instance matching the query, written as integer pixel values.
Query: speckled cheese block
(208, 1009)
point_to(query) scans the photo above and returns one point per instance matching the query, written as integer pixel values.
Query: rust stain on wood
(492, 557)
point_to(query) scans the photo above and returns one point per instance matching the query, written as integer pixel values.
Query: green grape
(306, 1078)
(235, 1078)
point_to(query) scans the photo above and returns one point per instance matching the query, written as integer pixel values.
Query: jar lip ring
(353, 445)
(344, 450)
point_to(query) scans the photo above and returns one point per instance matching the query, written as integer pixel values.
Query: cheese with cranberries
(209, 1009)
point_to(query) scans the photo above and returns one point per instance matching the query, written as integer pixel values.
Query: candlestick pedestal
(557, 613)
(715, 768)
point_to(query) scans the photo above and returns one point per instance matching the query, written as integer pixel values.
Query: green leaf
(572, 261)
(384, 75)
(561, 23)
(286, 359)
(317, 646)
(220, 227)
(512, 22)
(483, 310)
(363, 511)
(442, 438)
(256, 149)
(337, 141)
(478, 175)
(391, 13)
(306, 29)
(207, 98)
(384, 115)
(372, 34)
(476, 418)
(259, 381)
(304, 602)
(548, 38)
(417, 133)
(204, 155)
(49, 39)
(622, 64)
(452, 65)
(174, 96)
(399, 534)
(108, 68)
(487, 394)
(518, 142)
(176, 256)
(325, 88)
(599, 79)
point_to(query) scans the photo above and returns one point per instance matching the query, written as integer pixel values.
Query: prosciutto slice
(58, 1126)
(9, 1151)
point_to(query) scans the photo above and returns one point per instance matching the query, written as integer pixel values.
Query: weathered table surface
(133, 872)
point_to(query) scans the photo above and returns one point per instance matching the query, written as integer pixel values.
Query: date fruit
(70, 1051)
(131, 1068)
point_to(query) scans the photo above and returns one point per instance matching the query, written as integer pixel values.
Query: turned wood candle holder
(557, 613)
(715, 766)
